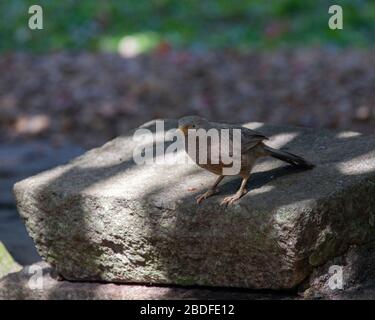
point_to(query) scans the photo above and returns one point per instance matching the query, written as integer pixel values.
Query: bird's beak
(184, 129)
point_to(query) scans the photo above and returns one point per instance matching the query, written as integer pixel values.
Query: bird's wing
(250, 138)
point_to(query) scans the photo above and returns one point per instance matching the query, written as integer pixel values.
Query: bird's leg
(211, 191)
(241, 191)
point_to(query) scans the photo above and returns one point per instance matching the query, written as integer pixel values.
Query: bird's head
(191, 122)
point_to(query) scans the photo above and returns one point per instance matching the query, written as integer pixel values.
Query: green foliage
(100, 25)
(7, 264)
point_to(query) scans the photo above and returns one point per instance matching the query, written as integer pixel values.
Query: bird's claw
(233, 198)
(205, 195)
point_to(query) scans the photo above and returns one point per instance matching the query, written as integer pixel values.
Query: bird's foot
(208, 193)
(233, 198)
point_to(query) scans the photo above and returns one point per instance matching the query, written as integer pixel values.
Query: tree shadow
(82, 233)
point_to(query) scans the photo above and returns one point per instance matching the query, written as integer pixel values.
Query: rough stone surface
(355, 271)
(27, 285)
(7, 264)
(24, 285)
(102, 217)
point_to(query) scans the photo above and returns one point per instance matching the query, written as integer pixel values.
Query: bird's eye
(193, 126)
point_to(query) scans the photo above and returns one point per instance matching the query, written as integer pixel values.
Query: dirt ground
(89, 98)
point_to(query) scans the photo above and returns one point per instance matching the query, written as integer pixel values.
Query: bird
(251, 148)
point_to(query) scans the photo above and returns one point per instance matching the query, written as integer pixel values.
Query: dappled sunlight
(146, 178)
(359, 165)
(164, 174)
(132, 45)
(287, 213)
(281, 139)
(263, 189)
(348, 134)
(276, 140)
(253, 125)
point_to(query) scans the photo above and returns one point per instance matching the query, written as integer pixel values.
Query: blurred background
(99, 68)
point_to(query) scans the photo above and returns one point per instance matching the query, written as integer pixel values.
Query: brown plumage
(252, 147)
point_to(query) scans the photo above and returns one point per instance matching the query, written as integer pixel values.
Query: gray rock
(38, 282)
(102, 217)
(352, 276)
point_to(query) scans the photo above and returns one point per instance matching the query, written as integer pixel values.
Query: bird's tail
(289, 157)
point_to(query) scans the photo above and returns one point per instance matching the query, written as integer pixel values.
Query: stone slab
(103, 218)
